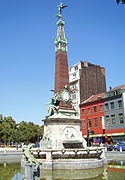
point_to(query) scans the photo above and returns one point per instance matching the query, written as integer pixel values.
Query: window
(101, 108)
(106, 106)
(100, 119)
(95, 109)
(76, 68)
(89, 123)
(74, 85)
(74, 75)
(112, 105)
(88, 110)
(121, 119)
(83, 124)
(107, 120)
(113, 119)
(120, 103)
(95, 122)
(83, 111)
(74, 96)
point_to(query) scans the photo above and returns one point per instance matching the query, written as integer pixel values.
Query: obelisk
(61, 125)
(61, 65)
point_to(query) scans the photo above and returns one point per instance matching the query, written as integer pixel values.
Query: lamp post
(17, 138)
(38, 134)
(87, 131)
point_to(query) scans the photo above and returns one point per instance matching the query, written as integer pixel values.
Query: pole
(87, 132)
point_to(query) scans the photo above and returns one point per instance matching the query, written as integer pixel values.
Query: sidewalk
(115, 155)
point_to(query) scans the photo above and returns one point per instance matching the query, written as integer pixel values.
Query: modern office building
(86, 79)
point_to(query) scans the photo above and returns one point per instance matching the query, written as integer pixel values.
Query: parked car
(109, 147)
(119, 145)
(36, 145)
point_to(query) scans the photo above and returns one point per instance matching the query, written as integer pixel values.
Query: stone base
(72, 174)
(58, 131)
(72, 164)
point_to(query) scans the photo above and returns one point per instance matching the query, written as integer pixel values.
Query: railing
(96, 152)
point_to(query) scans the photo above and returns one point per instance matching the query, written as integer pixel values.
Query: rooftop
(94, 98)
(118, 87)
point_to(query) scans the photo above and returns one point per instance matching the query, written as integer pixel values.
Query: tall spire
(60, 40)
(61, 66)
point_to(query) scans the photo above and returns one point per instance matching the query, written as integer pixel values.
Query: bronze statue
(60, 7)
(54, 104)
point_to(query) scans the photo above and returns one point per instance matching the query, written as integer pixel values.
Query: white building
(86, 79)
(74, 80)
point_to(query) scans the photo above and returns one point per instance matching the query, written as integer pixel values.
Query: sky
(95, 31)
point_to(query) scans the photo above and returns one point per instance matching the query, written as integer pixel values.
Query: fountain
(63, 146)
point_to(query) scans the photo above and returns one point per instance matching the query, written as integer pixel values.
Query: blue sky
(95, 31)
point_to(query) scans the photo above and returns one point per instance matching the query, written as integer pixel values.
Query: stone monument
(62, 125)
(63, 146)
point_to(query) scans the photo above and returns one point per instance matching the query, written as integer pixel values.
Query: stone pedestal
(58, 131)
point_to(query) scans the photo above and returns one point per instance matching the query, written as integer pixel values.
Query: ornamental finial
(60, 7)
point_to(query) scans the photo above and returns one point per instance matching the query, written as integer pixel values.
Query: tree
(120, 1)
(7, 130)
(26, 132)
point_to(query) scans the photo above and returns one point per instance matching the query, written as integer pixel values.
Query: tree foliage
(120, 1)
(11, 133)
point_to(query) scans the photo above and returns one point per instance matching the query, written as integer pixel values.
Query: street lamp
(87, 131)
(17, 138)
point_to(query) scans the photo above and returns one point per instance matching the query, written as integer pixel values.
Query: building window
(101, 107)
(89, 123)
(83, 124)
(121, 119)
(95, 109)
(88, 109)
(83, 111)
(74, 86)
(106, 106)
(95, 122)
(120, 103)
(76, 68)
(74, 75)
(112, 105)
(100, 119)
(107, 120)
(113, 119)
(74, 96)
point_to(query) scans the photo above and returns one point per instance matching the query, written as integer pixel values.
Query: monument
(62, 125)
(63, 146)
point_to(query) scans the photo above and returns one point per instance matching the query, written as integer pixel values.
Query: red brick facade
(61, 71)
(92, 114)
(92, 80)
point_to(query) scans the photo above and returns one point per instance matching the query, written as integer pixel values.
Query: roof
(101, 95)
(118, 87)
(94, 98)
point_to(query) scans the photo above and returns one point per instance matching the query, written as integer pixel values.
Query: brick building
(92, 113)
(86, 79)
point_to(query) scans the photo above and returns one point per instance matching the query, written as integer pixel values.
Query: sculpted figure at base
(54, 105)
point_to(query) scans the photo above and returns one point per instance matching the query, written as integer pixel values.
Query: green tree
(41, 131)
(29, 132)
(1, 118)
(8, 126)
(26, 132)
(120, 1)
